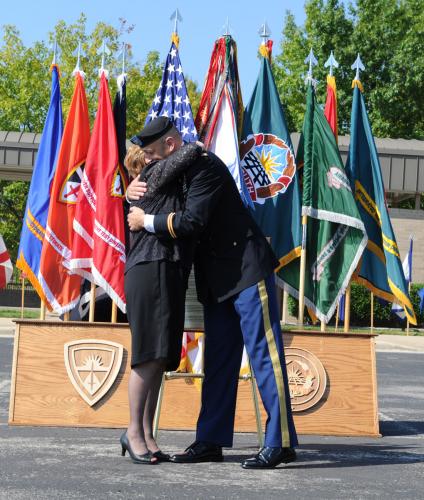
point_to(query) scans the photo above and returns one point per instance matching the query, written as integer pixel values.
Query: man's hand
(136, 189)
(136, 219)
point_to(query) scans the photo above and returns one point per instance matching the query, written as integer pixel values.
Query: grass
(16, 313)
(413, 332)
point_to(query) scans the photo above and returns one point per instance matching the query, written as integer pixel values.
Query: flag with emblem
(171, 99)
(37, 207)
(269, 168)
(219, 119)
(99, 239)
(62, 288)
(6, 267)
(335, 238)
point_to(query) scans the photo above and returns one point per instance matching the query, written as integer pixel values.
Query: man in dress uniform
(234, 271)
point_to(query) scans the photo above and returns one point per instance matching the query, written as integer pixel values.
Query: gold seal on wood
(92, 367)
(307, 378)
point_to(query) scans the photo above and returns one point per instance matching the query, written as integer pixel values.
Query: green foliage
(360, 313)
(388, 35)
(25, 84)
(12, 208)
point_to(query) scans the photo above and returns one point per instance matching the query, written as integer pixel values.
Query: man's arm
(204, 192)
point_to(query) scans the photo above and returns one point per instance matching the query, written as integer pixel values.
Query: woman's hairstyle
(134, 160)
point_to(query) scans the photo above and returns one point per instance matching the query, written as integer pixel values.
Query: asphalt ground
(69, 463)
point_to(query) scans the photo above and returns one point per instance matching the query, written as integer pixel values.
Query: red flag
(62, 288)
(330, 110)
(6, 268)
(99, 238)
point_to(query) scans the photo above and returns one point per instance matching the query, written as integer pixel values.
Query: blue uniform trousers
(251, 318)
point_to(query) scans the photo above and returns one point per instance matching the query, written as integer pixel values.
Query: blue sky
(202, 24)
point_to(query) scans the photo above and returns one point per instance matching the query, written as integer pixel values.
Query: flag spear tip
(227, 28)
(331, 61)
(264, 32)
(359, 66)
(312, 61)
(176, 17)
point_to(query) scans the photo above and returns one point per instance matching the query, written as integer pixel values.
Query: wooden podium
(75, 374)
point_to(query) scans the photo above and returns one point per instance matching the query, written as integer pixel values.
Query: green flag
(269, 169)
(335, 237)
(381, 268)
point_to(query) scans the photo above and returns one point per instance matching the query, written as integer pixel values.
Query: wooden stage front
(75, 374)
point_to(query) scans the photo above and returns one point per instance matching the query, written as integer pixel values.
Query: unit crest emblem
(92, 367)
(268, 166)
(307, 378)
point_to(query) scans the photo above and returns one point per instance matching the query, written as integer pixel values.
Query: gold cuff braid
(169, 223)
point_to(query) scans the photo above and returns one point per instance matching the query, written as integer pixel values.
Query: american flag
(172, 100)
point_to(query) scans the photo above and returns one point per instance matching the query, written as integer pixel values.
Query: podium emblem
(92, 367)
(307, 378)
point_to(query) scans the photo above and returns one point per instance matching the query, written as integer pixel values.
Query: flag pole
(347, 310)
(372, 312)
(114, 317)
(42, 309)
(285, 307)
(302, 272)
(407, 318)
(337, 317)
(92, 302)
(311, 61)
(22, 297)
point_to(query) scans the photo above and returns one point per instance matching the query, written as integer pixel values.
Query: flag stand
(302, 272)
(201, 376)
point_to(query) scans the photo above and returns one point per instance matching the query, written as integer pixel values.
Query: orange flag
(61, 286)
(330, 110)
(99, 241)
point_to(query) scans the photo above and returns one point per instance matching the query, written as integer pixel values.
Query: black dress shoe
(146, 458)
(269, 457)
(161, 457)
(199, 451)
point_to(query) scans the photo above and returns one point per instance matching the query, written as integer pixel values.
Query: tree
(388, 35)
(25, 92)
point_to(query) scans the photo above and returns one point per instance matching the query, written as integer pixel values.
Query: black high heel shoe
(146, 458)
(161, 456)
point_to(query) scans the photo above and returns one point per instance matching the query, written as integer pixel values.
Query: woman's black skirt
(155, 293)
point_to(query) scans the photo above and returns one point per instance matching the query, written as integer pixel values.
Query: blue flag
(37, 207)
(381, 268)
(421, 296)
(171, 98)
(269, 170)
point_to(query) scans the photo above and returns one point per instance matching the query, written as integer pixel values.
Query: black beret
(152, 131)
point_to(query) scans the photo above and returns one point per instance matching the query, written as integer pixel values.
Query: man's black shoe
(269, 457)
(199, 451)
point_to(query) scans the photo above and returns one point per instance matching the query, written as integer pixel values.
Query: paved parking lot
(43, 462)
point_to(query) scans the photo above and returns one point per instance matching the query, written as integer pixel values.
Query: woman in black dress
(156, 277)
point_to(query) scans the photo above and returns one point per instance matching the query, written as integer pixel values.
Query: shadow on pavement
(401, 427)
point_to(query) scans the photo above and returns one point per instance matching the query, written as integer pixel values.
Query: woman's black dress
(157, 269)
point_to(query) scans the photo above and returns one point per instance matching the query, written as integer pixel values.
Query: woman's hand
(136, 189)
(136, 218)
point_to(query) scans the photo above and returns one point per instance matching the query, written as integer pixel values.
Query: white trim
(52, 299)
(333, 217)
(56, 243)
(101, 281)
(80, 230)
